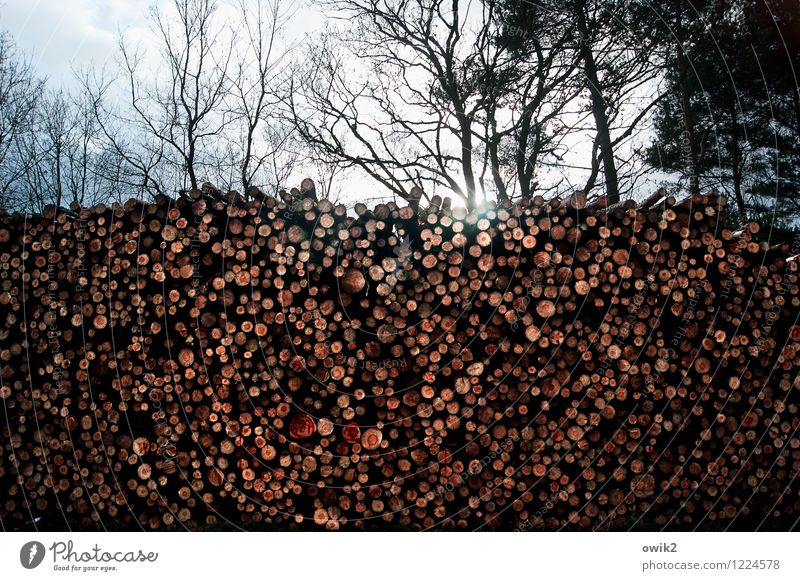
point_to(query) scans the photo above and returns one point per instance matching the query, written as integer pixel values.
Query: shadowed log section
(179, 363)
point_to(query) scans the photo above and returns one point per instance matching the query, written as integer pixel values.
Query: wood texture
(185, 362)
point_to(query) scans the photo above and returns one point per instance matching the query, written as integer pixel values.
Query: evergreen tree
(732, 123)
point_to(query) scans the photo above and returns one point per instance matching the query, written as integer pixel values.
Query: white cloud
(60, 35)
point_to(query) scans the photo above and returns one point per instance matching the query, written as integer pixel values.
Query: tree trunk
(245, 169)
(598, 109)
(494, 157)
(466, 163)
(736, 170)
(190, 159)
(59, 188)
(687, 134)
(523, 173)
(796, 103)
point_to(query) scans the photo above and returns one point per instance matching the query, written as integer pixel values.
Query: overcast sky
(61, 33)
(62, 36)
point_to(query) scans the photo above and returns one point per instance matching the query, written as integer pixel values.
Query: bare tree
(376, 111)
(20, 91)
(615, 64)
(60, 160)
(449, 96)
(177, 111)
(208, 112)
(259, 143)
(137, 156)
(536, 89)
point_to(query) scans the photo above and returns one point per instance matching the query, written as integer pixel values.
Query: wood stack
(183, 363)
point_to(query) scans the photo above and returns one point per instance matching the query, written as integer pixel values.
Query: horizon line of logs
(190, 362)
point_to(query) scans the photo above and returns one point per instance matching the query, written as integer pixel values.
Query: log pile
(210, 359)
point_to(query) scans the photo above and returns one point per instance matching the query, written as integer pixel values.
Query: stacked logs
(209, 359)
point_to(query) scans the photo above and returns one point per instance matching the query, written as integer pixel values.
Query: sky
(61, 34)
(64, 36)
